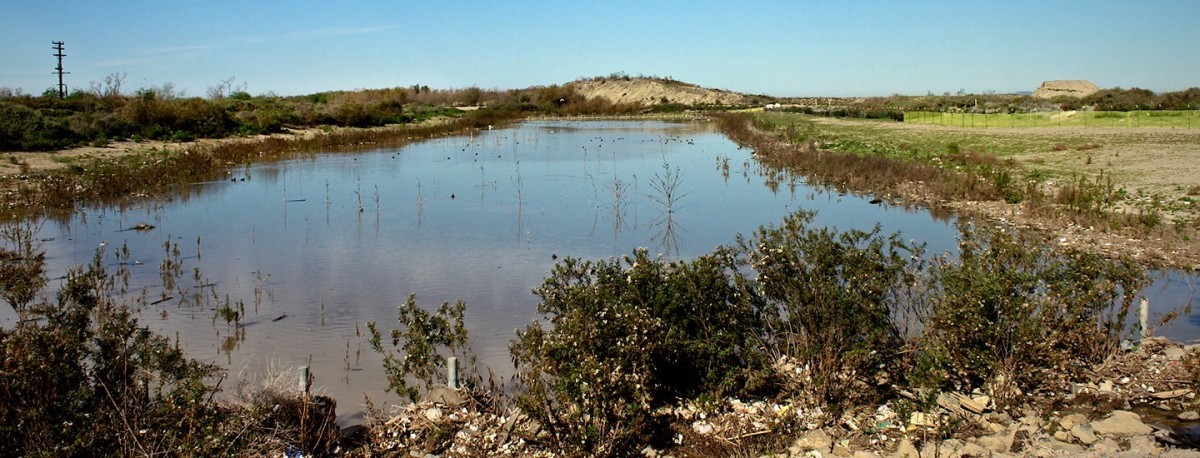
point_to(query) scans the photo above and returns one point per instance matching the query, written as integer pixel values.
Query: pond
(316, 247)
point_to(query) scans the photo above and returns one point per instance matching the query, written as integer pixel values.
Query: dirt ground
(1151, 159)
(1149, 163)
(651, 92)
(20, 162)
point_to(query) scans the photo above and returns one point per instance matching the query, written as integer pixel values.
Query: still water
(317, 247)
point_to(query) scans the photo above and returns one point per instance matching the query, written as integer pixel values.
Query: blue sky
(782, 48)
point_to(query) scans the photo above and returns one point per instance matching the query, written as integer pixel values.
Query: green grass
(883, 138)
(1172, 119)
(1018, 158)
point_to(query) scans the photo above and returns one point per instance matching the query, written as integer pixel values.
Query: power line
(62, 88)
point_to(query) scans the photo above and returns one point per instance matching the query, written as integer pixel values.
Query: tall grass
(887, 169)
(854, 172)
(109, 181)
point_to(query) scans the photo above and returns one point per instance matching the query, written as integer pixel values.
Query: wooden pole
(62, 88)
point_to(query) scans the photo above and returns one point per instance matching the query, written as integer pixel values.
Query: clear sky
(782, 48)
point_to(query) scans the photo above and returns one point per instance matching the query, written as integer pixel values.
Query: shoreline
(1153, 247)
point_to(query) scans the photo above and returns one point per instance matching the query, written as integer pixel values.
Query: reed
(157, 172)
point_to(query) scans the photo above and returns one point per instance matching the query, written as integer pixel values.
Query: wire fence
(1165, 119)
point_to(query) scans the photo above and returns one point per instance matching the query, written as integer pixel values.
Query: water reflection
(300, 255)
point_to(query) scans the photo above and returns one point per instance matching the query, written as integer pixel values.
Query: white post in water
(452, 372)
(1144, 318)
(304, 378)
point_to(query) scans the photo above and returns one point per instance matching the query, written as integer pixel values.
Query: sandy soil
(20, 162)
(1150, 159)
(651, 92)
(1148, 163)
(1073, 88)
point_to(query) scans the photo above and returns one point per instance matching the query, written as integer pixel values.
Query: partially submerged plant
(422, 346)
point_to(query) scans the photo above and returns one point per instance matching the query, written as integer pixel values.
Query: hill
(652, 91)
(1070, 88)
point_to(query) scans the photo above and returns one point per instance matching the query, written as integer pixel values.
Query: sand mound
(1070, 88)
(654, 91)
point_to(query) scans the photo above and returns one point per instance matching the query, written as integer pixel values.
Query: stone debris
(1103, 420)
(1122, 423)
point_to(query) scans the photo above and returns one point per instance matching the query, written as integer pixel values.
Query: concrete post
(1144, 318)
(305, 379)
(452, 372)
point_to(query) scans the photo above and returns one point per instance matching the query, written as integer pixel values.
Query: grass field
(1149, 166)
(1168, 119)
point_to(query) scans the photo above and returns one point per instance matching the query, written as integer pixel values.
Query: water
(318, 246)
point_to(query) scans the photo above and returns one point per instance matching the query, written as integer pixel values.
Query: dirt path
(23, 162)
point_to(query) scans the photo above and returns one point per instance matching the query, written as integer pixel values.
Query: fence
(1183, 119)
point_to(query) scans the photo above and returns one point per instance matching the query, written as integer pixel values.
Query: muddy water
(312, 249)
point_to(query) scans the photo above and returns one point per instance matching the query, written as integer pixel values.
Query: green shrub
(80, 376)
(631, 335)
(422, 347)
(1009, 310)
(22, 265)
(833, 297)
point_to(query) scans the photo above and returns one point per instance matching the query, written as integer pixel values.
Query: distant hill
(1069, 88)
(653, 91)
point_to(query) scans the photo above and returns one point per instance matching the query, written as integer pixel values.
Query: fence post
(452, 372)
(305, 380)
(1144, 318)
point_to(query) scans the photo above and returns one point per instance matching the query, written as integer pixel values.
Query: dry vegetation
(985, 349)
(1040, 178)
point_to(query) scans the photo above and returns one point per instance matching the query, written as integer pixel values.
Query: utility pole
(62, 88)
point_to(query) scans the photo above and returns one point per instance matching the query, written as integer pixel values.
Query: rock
(1065, 449)
(865, 454)
(972, 449)
(841, 448)
(1189, 415)
(1106, 386)
(1021, 441)
(906, 450)
(1069, 421)
(813, 440)
(1108, 445)
(1174, 353)
(1121, 423)
(649, 452)
(442, 394)
(433, 414)
(1085, 433)
(703, 428)
(1145, 445)
(996, 427)
(999, 443)
(1062, 436)
(948, 447)
(1170, 394)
